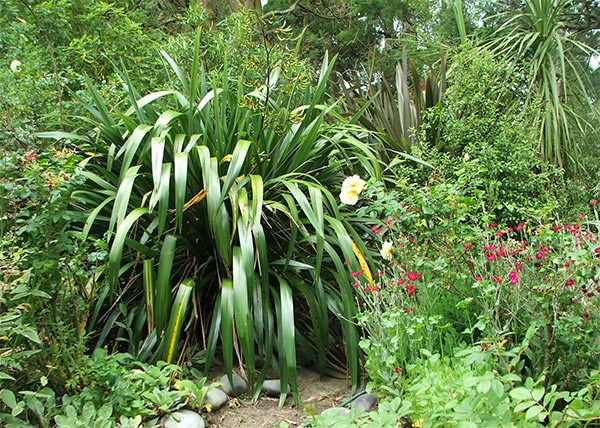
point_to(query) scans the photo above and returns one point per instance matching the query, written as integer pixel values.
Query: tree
(555, 59)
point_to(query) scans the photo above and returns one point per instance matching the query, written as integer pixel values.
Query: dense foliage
(299, 182)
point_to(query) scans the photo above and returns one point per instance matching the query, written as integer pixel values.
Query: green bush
(488, 148)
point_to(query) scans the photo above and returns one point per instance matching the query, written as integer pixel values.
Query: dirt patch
(316, 395)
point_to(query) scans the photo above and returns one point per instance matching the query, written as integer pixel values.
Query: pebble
(239, 385)
(364, 403)
(216, 398)
(183, 419)
(273, 387)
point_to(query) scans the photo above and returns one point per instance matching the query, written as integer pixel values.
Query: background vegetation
(173, 191)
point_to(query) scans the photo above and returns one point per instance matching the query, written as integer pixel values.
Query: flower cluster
(351, 188)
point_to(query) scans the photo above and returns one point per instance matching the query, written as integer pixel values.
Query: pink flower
(512, 274)
(468, 245)
(400, 281)
(581, 216)
(593, 202)
(478, 278)
(497, 279)
(379, 273)
(514, 280)
(357, 273)
(509, 229)
(356, 284)
(499, 233)
(376, 230)
(413, 276)
(32, 156)
(397, 370)
(410, 289)
(539, 255)
(557, 228)
(346, 262)
(520, 226)
(569, 283)
(407, 310)
(597, 250)
(491, 257)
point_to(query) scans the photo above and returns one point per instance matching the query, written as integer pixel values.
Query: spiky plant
(233, 195)
(555, 60)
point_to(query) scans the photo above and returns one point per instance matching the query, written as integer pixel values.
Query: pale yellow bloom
(351, 188)
(354, 183)
(386, 250)
(15, 65)
(348, 197)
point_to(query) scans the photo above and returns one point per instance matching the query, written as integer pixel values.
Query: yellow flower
(351, 188)
(354, 183)
(386, 250)
(348, 197)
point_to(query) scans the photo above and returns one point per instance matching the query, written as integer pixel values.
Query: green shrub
(489, 150)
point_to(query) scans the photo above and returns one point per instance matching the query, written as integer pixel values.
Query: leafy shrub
(489, 149)
(44, 267)
(241, 200)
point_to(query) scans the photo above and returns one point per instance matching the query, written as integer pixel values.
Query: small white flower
(386, 250)
(15, 65)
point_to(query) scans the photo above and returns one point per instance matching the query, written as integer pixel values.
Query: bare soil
(316, 395)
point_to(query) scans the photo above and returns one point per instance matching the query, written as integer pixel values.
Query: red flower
(520, 226)
(397, 370)
(357, 273)
(585, 316)
(499, 233)
(497, 279)
(410, 289)
(569, 283)
(593, 202)
(346, 262)
(478, 278)
(407, 310)
(413, 276)
(379, 273)
(557, 228)
(400, 281)
(597, 250)
(468, 245)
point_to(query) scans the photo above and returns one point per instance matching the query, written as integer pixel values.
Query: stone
(364, 403)
(216, 398)
(183, 419)
(239, 385)
(273, 387)
(336, 411)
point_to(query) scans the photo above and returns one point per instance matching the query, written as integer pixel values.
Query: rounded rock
(183, 419)
(216, 398)
(364, 403)
(239, 385)
(273, 387)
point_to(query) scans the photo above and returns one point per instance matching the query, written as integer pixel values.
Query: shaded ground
(316, 395)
